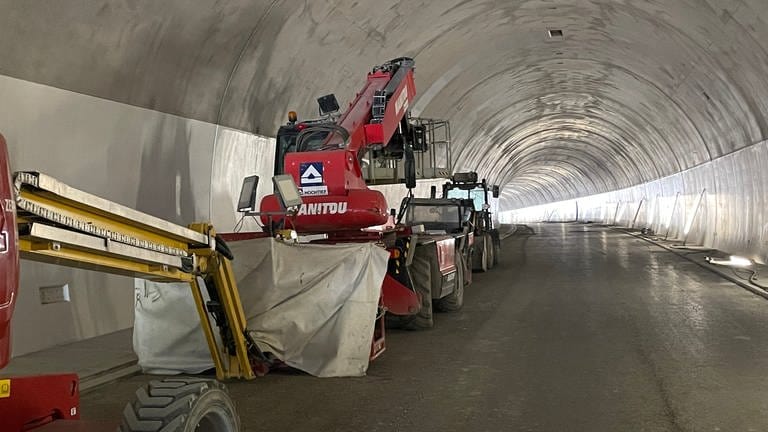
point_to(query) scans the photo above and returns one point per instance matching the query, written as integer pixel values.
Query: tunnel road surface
(580, 328)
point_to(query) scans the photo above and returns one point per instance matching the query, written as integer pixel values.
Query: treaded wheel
(491, 251)
(181, 405)
(477, 254)
(481, 256)
(455, 300)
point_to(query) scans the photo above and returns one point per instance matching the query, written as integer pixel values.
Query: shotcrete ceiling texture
(632, 91)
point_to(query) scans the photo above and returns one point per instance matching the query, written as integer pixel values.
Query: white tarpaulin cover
(312, 306)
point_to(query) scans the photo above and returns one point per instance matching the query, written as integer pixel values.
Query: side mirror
(495, 191)
(467, 216)
(419, 143)
(433, 191)
(247, 201)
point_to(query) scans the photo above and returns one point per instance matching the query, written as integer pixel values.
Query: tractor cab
(487, 240)
(467, 186)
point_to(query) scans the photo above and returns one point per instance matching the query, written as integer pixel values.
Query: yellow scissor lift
(62, 225)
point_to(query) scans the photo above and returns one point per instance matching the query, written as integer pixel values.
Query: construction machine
(334, 159)
(442, 258)
(43, 219)
(487, 247)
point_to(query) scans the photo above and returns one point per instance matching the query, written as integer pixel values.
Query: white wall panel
(730, 217)
(236, 156)
(157, 163)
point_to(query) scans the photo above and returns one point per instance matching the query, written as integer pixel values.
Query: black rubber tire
(478, 252)
(491, 251)
(483, 262)
(181, 405)
(455, 300)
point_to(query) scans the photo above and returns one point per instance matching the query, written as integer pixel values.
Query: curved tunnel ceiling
(632, 91)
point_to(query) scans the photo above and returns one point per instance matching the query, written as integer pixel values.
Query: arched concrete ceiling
(634, 90)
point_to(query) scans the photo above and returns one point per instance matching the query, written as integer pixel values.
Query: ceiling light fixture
(555, 33)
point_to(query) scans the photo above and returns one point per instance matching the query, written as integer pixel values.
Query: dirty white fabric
(313, 306)
(167, 336)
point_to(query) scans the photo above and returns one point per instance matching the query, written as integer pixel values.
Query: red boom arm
(399, 89)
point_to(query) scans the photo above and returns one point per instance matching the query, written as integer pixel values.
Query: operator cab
(467, 186)
(316, 133)
(439, 216)
(311, 135)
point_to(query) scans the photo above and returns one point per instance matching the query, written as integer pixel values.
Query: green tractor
(487, 243)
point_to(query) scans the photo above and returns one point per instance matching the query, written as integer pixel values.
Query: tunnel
(628, 136)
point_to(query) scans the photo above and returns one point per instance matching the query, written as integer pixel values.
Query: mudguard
(9, 254)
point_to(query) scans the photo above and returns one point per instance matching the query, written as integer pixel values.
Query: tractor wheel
(181, 405)
(479, 262)
(491, 251)
(485, 260)
(455, 300)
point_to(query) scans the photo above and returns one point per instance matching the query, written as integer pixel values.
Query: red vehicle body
(9, 254)
(25, 402)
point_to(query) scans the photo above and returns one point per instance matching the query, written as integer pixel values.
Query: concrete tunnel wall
(634, 91)
(718, 204)
(155, 162)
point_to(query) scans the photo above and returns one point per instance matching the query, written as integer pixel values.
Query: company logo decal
(311, 179)
(312, 209)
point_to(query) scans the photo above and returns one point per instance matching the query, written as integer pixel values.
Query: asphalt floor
(579, 328)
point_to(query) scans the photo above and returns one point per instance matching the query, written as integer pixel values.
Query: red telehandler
(324, 156)
(330, 161)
